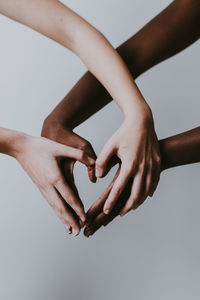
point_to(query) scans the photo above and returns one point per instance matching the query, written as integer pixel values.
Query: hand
(40, 158)
(135, 144)
(60, 133)
(95, 215)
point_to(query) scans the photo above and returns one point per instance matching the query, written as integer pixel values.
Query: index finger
(72, 199)
(97, 207)
(117, 189)
(102, 219)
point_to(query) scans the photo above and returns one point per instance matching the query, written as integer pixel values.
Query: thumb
(103, 160)
(91, 169)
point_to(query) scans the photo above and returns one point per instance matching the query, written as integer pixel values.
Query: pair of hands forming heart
(95, 215)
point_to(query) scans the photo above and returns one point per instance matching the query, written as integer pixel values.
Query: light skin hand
(56, 21)
(177, 150)
(135, 144)
(61, 134)
(40, 158)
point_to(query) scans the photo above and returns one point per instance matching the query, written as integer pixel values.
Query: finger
(103, 159)
(149, 178)
(114, 160)
(156, 177)
(91, 169)
(74, 153)
(142, 198)
(91, 173)
(117, 189)
(67, 169)
(135, 194)
(68, 229)
(97, 207)
(62, 210)
(140, 202)
(70, 198)
(89, 230)
(104, 220)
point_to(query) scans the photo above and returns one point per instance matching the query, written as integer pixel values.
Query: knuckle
(158, 159)
(85, 146)
(53, 179)
(53, 206)
(81, 154)
(142, 166)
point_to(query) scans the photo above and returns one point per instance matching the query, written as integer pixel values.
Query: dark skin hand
(157, 41)
(175, 151)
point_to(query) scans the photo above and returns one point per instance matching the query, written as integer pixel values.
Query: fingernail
(97, 173)
(106, 211)
(75, 232)
(68, 229)
(83, 219)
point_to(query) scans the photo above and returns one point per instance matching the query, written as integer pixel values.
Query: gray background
(152, 253)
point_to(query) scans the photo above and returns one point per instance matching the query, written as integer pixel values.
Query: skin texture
(177, 150)
(155, 42)
(56, 21)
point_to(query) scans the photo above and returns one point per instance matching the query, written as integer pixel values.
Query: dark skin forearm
(175, 28)
(177, 150)
(180, 149)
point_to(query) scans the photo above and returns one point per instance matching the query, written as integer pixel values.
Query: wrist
(52, 129)
(15, 143)
(139, 114)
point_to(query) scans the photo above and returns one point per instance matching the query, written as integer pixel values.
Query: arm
(181, 149)
(155, 42)
(55, 20)
(158, 40)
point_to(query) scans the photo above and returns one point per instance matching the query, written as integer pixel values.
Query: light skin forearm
(157, 41)
(56, 21)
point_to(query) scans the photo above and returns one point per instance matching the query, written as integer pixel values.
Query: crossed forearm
(175, 28)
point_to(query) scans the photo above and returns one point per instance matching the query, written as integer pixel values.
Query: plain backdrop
(152, 253)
